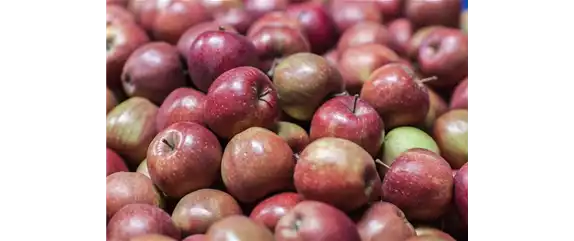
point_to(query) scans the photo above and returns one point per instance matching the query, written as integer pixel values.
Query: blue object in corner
(465, 4)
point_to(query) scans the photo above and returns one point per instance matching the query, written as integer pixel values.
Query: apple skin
(417, 39)
(432, 12)
(295, 136)
(237, 17)
(130, 128)
(153, 71)
(240, 98)
(459, 99)
(183, 158)
(346, 13)
(152, 237)
(420, 183)
(315, 221)
(430, 234)
(114, 163)
(332, 56)
(181, 105)
(316, 24)
(198, 210)
(122, 3)
(363, 33)
(274, 19)
(142, 168)
(138, 219)
(118, 13)
(275, 42)
(350, 118)
(338, 172)
(269, 211)
(451, 134)
(400, 34)
(123, 188)
(256, 162)
(384, 221)
(186, 40)
(397, 94)
(359, 62)
(437, 107)
(401, 139)
(258, 8)
(215, 52)
(111, 100)
(390, 9)
(303, 81)
(461, 192)
(196, 237)
(238, 228)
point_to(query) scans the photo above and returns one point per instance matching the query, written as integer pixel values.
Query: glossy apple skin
(118, 13)
(241, 98)
(269, 211)
(332, 56)
(350, 118)
(196, 237)
(258, 8)
(437, 107)
(303, 81)
(215, 52)
(130, 128)
(123, 188)
(358, 63)
(430, 234)
(346, 13)
(114, 163)
(451, 134)
(420, 183)
(363, 33)
(238, 228)
(384, 221)
(181, 105)
(237, 17)
(316, 24)
(417, 39)
(316, 221)
(401, 139)
(275, 42)
(198, 210)
(459, 99)
(138, 219)
(433, 12)
(400, 34)
(256, 162)
(193, 162)
(153, 71)
(275, 19)
(338, 172)
(187, 38)
(398, 96)
(295, 136)
(461, 192)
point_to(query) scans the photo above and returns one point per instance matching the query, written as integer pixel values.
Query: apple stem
(164, 141)
(382, 163)
(355, 103)
(428, 79)
(221, 28)
(344, 93)
(272, 69)
(296, 156)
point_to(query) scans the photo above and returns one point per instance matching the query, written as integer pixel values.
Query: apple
(258, 8)
(198, 210)
(433, 12)
(332, 56)
(122, 3)
(431, 234)
(237, 17)
(256, 162)
(123, 188)
(303, 82)
(384, 221)
(240, 98)
(118, 13)
(459, 99)
(181, 105)
(152, 237)
(401, 139)
(461, 192)
(275, 42)
(363, 33)
(183, 158)
(138, 219)
(153, 71)
(274, 19)
(359, 62)
(390, 9)
(417, 39)
(187, 38)
(338, 172)
(114, 163)
(315, 221)
(350, 118)
(111, 100)
(400, 33)
(397, 94)
(444, 53)
(196, 237)
(130, 128)
(347, 13)
(420, 183)
(214, 6)
(215, 52)
(316, 23)
(451, 134)
(269, 211)
(295, 136)
(238, 228)
(437, 107)
(142, 168)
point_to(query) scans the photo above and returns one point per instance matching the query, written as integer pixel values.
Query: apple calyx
(262, 95)
(221, 28)
(171, 146)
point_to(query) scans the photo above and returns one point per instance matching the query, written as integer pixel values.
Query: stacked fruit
(256, 120)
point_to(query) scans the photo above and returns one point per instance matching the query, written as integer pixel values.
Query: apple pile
(286, 120)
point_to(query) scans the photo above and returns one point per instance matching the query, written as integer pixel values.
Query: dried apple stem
(382, 163)
(428, 79)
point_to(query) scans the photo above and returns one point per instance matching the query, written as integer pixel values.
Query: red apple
(346, 13)
(118, 13)
(181, 105)
(258, 8)
(111, 100)
(461, 192)
(122, 38)
(196, 237)
(397, 94)
(433, 12)
(153, 71)
(332, 56)
(269, 211)
(437, 107)
(256, 162)
(363, 33)
(400, 34)
(295, 136)
(130, 127)
(123, 188)
(274, 19)
(215, 52)
(417, 39)
(358, 63)
(312, 220)
(385, 221)
(239, 18)
(275, 42)
(350, 118)
(187, 38)
(122, 3)
(214, 6)
(138, 219)
(183, 158)
(451, 134)
(317, 25)
(390, 9)
(198, 210)
(114, 163)
(152, 237)
(238, 228)
(459, 99)
(420, 183)
(338, 172)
